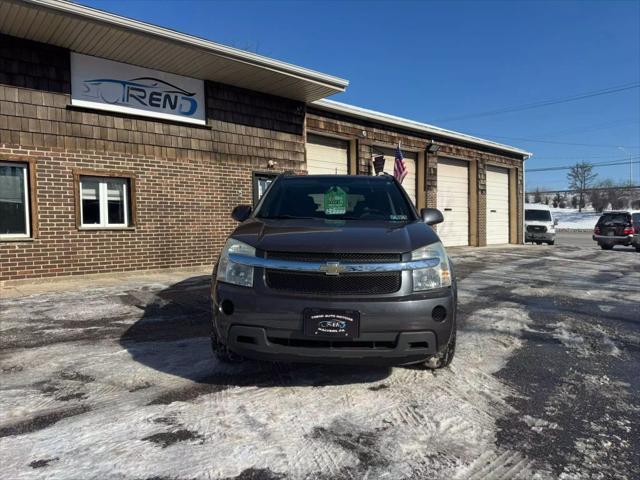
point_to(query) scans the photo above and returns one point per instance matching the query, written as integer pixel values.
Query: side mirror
(241, 213)
(431, 216)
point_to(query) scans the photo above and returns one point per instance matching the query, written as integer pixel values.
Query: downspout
(524, 194)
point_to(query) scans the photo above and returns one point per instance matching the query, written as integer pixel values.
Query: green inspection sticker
(335, 201)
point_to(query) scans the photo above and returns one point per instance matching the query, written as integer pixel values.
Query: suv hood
(339, 236)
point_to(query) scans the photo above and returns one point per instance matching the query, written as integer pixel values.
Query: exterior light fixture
(432, 147)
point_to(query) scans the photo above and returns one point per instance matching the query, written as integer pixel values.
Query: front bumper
(614, 240)
(393, 330)
(540, 236)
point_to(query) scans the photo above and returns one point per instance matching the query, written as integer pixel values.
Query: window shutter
(89, 190)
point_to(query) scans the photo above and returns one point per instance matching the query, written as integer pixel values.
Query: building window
(104, 202)
(261, 182)
(15, 221)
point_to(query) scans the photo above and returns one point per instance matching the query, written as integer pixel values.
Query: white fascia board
(70, 8)
(363, 113)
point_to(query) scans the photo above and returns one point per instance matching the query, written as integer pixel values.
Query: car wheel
(444, 358)
(222, 352)
(552, 242)
(538, 242)
(606, 247)
(637, 249)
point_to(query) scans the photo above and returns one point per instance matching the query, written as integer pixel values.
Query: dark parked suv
(618, 228)
(335, 269)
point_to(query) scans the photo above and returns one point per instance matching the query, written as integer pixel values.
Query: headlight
(434, 277)
(235, 273)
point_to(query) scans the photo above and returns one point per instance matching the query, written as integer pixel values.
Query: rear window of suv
(336, 198)
(615, 218)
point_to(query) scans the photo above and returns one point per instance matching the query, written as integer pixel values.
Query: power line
(583, 158)
(544, 103)
(592, 128)
(595, 165)
(587, 128)
(561, 143)
(578, 157)
(597, 189)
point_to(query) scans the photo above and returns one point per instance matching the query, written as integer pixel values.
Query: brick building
(89, 184)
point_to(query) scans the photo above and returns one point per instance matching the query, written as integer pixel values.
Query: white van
(539, 224)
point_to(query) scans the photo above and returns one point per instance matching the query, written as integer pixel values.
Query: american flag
(399, 168)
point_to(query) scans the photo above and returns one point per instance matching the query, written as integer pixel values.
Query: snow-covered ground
(572, 219)
(119, 382)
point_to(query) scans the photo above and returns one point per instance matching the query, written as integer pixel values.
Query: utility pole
(624, 150)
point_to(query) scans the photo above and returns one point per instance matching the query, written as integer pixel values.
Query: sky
(444, 62)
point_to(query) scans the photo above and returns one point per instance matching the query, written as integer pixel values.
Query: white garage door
(453, 202)
(497, 205)
(410, 161)
(327, 155)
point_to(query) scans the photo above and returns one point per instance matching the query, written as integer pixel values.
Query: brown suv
(338, 269)
(618, 228)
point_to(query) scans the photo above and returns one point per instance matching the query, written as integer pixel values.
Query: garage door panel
(327, 156)
(497, 205)
(453, 201)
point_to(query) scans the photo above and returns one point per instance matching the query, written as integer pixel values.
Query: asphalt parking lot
(114, 379)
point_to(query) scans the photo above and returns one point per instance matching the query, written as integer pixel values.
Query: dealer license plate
(331, 323)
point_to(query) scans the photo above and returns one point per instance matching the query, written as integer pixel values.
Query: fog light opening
(439, 313)
(226, 307)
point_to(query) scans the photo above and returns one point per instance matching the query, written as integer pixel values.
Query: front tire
(222, 352)
(538, 242)
(606, 247)
(552, 242)
(444, 358)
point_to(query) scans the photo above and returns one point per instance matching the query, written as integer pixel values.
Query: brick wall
(188, 178)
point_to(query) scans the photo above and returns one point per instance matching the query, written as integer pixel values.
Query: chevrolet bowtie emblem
(332, 268)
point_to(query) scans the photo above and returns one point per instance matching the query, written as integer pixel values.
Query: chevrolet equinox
(335, 269)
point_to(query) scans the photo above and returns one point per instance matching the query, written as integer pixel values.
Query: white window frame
(104, 202)
(27, 205)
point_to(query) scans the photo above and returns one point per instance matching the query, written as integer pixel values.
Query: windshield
(336, 197)
(537, 215)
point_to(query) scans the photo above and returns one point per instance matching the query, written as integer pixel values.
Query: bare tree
(537, 198)
(580, 178)
(600, 199)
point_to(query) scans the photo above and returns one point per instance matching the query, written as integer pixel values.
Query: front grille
(536, 229)
(344, 284)
(336, 257)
